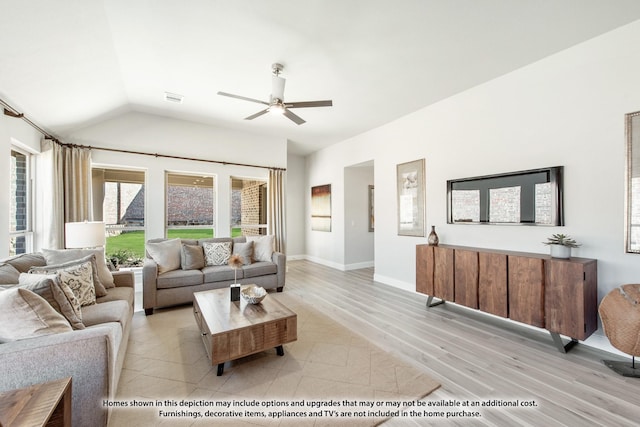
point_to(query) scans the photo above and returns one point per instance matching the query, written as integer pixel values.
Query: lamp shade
(84, 234)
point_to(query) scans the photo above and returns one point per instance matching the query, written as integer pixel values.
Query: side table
(47, 404)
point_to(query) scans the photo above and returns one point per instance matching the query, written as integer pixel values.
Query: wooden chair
(620, 314)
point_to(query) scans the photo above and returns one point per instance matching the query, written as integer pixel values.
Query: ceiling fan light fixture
(276, 108)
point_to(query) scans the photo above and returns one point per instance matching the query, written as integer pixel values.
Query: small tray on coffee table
(234, 329)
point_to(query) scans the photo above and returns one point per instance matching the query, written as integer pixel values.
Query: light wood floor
(474, 356)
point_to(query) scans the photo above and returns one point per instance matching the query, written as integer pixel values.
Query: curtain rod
(12, 112)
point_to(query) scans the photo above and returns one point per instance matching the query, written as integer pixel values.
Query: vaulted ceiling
(68, 64)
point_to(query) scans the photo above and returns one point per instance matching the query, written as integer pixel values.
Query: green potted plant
(560, 245)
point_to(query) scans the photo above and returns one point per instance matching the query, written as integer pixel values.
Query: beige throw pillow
(245, 250)
(56, 293)
(24, 314)
(60, 256)
(166, 254)
(79, 278)
(192, 257)
(263, 247)
(216, 253)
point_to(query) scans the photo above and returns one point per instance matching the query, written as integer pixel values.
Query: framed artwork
(632, 202)
(371, 211)
(321, 208)
(411, 195)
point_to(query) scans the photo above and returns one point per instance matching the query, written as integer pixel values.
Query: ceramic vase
(560, 251)
(433, 238)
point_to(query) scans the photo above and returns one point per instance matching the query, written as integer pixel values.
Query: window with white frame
(20, 231)
(248, 207)
(190, 204)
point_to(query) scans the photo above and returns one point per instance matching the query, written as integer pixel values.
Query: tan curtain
(65, 190)
(276, 203)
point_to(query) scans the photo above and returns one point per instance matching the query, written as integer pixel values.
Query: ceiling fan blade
(258, 114)
(327, 103)
(244, 98)
(297, 119)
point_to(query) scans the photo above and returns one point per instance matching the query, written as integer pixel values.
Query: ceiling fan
(276, 103)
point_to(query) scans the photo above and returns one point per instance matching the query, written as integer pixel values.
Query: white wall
(567, 109)
(359, 241)
(155, 134)
(16, 132)
(295, 206)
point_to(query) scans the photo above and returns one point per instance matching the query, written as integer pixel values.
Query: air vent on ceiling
(173, 97)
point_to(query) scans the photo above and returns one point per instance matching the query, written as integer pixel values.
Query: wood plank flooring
(474, 356)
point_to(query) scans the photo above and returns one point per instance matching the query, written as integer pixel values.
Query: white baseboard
(322, 261)
(359, 265)
(394, 282)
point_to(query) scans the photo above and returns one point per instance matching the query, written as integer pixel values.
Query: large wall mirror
(532, 197)
(633, 183)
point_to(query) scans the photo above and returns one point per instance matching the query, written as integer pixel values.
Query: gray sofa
(163, 289)
(93, 356)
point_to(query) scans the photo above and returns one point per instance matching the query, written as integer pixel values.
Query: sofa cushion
(245, 250)
(8, 274)
(119, 293)
(216, 253)
(110, 311)
(262, 247)
(97, 284)
(179, 278)
(60, 256)
(24, 262)
(192, 257)
(259, 269)
(56, 293)
(166, 254)
(25, 314)
(220, 273)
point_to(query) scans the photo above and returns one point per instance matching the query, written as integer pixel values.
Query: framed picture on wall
(411, 196)
(321, 208)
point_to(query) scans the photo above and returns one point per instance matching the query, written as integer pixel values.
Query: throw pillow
(8, 274)
(216, 253)
(50, 269)
(192, 257)
(245, 250)
(56, 293)
(263, 247)
(24, 314)
(60, 256)
(166, 254)
(80, 279)
(24, 262)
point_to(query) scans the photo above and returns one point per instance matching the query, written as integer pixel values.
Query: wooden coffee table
(234, 329)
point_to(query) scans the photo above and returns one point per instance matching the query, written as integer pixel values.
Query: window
(525, 197)
(633, 183)
(20, 233)
(248, 207)
(119, 202)
(190, 206)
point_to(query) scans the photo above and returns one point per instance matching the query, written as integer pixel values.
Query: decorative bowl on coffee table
(253, 294)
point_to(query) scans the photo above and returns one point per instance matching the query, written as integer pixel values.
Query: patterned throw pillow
(216, 253)
(80, 279)
(97, 284)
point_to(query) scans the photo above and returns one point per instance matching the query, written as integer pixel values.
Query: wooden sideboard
(560, 295)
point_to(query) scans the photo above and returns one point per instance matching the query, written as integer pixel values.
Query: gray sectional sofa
(172, 279)
(92, 356)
